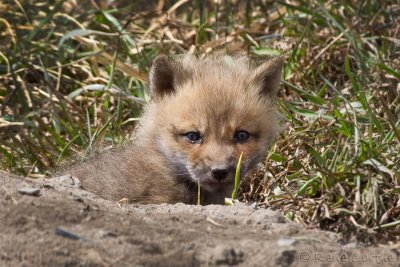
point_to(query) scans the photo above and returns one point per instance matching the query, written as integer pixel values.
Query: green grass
(233, 199)
(237, 177)
(74, 78)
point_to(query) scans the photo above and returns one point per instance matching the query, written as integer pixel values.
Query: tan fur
(216, 96)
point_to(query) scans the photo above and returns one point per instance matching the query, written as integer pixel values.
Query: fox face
(206, 112)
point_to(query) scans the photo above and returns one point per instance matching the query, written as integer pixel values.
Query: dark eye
(242, 136)
(193, 136)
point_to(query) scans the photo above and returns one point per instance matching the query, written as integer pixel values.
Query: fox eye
(193, 136)
(242, 136)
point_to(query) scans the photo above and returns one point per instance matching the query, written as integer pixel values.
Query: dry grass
(73, 76)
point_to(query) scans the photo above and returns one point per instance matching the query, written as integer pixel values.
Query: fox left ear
(268, 76)
(165, 74)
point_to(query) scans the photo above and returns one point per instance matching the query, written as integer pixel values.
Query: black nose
(219, 174)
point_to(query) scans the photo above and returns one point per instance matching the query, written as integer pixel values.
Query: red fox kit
(203, 114)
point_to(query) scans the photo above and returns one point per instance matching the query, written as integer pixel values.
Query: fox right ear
(163, 76)
(268, 76)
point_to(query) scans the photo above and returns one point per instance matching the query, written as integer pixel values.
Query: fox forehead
(215, 111)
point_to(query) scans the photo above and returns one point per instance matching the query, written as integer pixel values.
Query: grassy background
(73, 76)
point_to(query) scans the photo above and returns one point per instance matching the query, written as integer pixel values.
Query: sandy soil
(53, 222)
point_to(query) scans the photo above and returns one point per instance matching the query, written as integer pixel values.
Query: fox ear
(268, 76)
(164, 75)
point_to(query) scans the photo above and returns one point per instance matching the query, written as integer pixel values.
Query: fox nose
(219, 173)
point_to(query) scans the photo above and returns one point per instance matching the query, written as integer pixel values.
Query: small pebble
(31, 191)
(286, 242)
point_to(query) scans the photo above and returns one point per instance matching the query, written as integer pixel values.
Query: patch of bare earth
(53, 222)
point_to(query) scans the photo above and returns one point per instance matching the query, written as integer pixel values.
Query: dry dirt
(53, 222)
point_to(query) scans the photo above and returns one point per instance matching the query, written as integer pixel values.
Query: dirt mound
(52, 222)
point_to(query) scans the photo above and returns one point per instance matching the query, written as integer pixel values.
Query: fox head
(205, 112)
